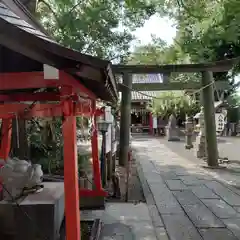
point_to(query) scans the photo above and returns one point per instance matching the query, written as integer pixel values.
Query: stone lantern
(189, 133)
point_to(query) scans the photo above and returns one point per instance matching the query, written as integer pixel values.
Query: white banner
(108, 118)
(220, 122)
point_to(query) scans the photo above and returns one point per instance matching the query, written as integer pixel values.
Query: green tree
(209, 31)
(159, 53)
(174, 102)
(98, 27)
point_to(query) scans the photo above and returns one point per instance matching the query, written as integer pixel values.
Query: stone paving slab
(203, 192)
(153, 177)
(225, 193)
(191, 203)
(175, 185)
(159, 188)
(217, 233)
(179, 227)
(202, 217)
(154, 214)
(169, 176)
(237, 209)
(221, 208)
(169, 208)
(143, 230)
(187, 197)
(191, 180)
(161, 233)
(234, 225)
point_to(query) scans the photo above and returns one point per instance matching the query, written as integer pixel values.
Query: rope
(161, 98)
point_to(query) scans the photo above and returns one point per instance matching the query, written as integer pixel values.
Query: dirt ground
(135, 193)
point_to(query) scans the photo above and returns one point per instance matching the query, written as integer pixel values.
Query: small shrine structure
(141, 117)
(41, 78)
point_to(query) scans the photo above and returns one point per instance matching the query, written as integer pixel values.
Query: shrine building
(141, 117)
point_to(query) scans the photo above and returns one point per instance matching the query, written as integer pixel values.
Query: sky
(160, 27)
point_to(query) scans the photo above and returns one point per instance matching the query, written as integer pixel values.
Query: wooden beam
(24, 80)
(43, 110)
(172, 86)
(219, 66)
(28, 97)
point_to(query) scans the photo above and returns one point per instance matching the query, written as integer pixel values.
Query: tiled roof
(138, 96)
(9, 16)
(144, 78)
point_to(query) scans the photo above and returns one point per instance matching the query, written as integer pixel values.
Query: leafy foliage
(98, 27)
(175, 102)
(209, 31)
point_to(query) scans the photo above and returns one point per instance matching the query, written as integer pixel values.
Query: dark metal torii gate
(206, 69)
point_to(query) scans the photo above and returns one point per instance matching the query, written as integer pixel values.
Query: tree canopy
(99, 27)
(207, 30)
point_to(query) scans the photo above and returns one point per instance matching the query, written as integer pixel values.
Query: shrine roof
(21, 33)
(147, 95)
(144, 78)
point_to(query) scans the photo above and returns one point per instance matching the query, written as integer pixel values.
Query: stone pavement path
(184, 201)
(123, 221)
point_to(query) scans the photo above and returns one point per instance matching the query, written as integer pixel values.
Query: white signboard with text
(220, 122)
(108, 118)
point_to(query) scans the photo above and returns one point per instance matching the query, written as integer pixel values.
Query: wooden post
(103, 161)
(95, 158)
(151, 130)
(125, 119)
(109, 165)
(209, 118)
(71, 187)
(6, 134)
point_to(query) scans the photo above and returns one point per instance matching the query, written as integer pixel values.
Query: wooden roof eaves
(27, 16)
(36, 48)
(32, 41)
(45, 50)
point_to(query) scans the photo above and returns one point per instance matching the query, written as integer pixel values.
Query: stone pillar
(209, 118)
(172, 130)
(201, 139)
(125, 119)
(189, 133)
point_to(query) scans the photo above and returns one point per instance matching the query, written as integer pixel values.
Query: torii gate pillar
(209, 118)
(125, 119)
